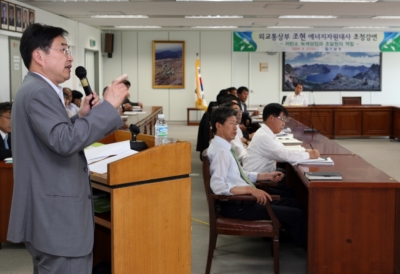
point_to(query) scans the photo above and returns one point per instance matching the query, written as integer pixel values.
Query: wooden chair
(237, 227)
(352, 101)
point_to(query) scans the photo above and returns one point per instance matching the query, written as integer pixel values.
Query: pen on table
(311, 146)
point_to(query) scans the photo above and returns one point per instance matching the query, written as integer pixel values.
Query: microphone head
(80, 72)
(134, 129)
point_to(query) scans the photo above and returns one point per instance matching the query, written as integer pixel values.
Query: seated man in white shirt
(228, 178)
(297, 98)
(265, 150)
(237, 143)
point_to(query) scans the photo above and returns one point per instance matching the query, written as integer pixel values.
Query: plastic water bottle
(161, 130)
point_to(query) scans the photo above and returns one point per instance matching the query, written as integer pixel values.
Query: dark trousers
(288, 211)
(282, 189)
(44, 263)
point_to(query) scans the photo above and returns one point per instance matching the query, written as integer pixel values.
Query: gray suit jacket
(51, 206)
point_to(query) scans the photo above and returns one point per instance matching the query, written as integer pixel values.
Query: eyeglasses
(282, 119)
(7, 117)
(66, 51)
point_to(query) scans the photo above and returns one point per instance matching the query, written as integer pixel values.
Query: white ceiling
(257, 15)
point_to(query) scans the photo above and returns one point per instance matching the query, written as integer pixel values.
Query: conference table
(354, 223)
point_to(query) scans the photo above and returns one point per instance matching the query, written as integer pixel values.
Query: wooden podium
(6, 190)
(149, 227)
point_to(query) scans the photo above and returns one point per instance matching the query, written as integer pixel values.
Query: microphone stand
(136, 145)
(309, 130)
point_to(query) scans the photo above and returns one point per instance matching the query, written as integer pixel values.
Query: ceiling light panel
(110, 16)
(214, 16)
(307, 17)
(340, 1)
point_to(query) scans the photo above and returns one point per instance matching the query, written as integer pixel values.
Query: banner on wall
(296, 41)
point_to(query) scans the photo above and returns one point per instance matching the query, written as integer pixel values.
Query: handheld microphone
(80, 72)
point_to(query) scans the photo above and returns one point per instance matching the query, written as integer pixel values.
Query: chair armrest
(265, 183)
(246, 197)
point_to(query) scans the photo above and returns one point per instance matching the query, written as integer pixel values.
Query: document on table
(98, 153)
(101, 166)
(323, 176)
(287, 140)
(319, 161)
(285, 135)
(131, 113)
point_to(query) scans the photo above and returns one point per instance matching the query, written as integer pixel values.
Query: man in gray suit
(52, 209)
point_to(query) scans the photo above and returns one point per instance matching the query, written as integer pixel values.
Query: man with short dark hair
(233, 91)
(4, 17)
(77, 98)
(229, 178)
(11, 22)
(265, 150)
(5, 130)
(73, 109)
(25, 19)
(242, 94)
(19, 24)
(52, 207)
(127, 105)
(297, 98)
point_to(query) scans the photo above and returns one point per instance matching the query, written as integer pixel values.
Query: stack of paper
(283, 134)
(99, 157)
(130, 113)
(288, 140)
(8, 160)
(319, 161)
(323, 176)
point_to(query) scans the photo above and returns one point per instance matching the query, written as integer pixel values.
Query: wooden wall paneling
(348, 123)
(397, 236)
(377, 122)
(6, 190)
(322, 120)
(396, 122)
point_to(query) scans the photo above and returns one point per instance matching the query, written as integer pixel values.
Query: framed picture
(332, 71)
(11, 16)
(18, 16)
(31, 17)
(4, 15)
(168, 64)
(25, 16)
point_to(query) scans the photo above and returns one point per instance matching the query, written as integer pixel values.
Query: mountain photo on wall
(332, 71)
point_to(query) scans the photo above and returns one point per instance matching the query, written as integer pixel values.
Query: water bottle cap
(160, 116)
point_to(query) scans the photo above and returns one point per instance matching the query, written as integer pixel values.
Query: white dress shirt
(293, 99)
(224, 170)
(3, 135)
(265, 150)
(74, 109)
(237, 144)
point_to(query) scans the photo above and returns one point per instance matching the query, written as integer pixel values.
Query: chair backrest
(207, 187)
(354, 101)
(283, 99)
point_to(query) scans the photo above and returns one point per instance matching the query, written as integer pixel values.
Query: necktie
(244, 177)
(5, 142)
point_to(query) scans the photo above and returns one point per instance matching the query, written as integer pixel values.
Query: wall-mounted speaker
(109, 44)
